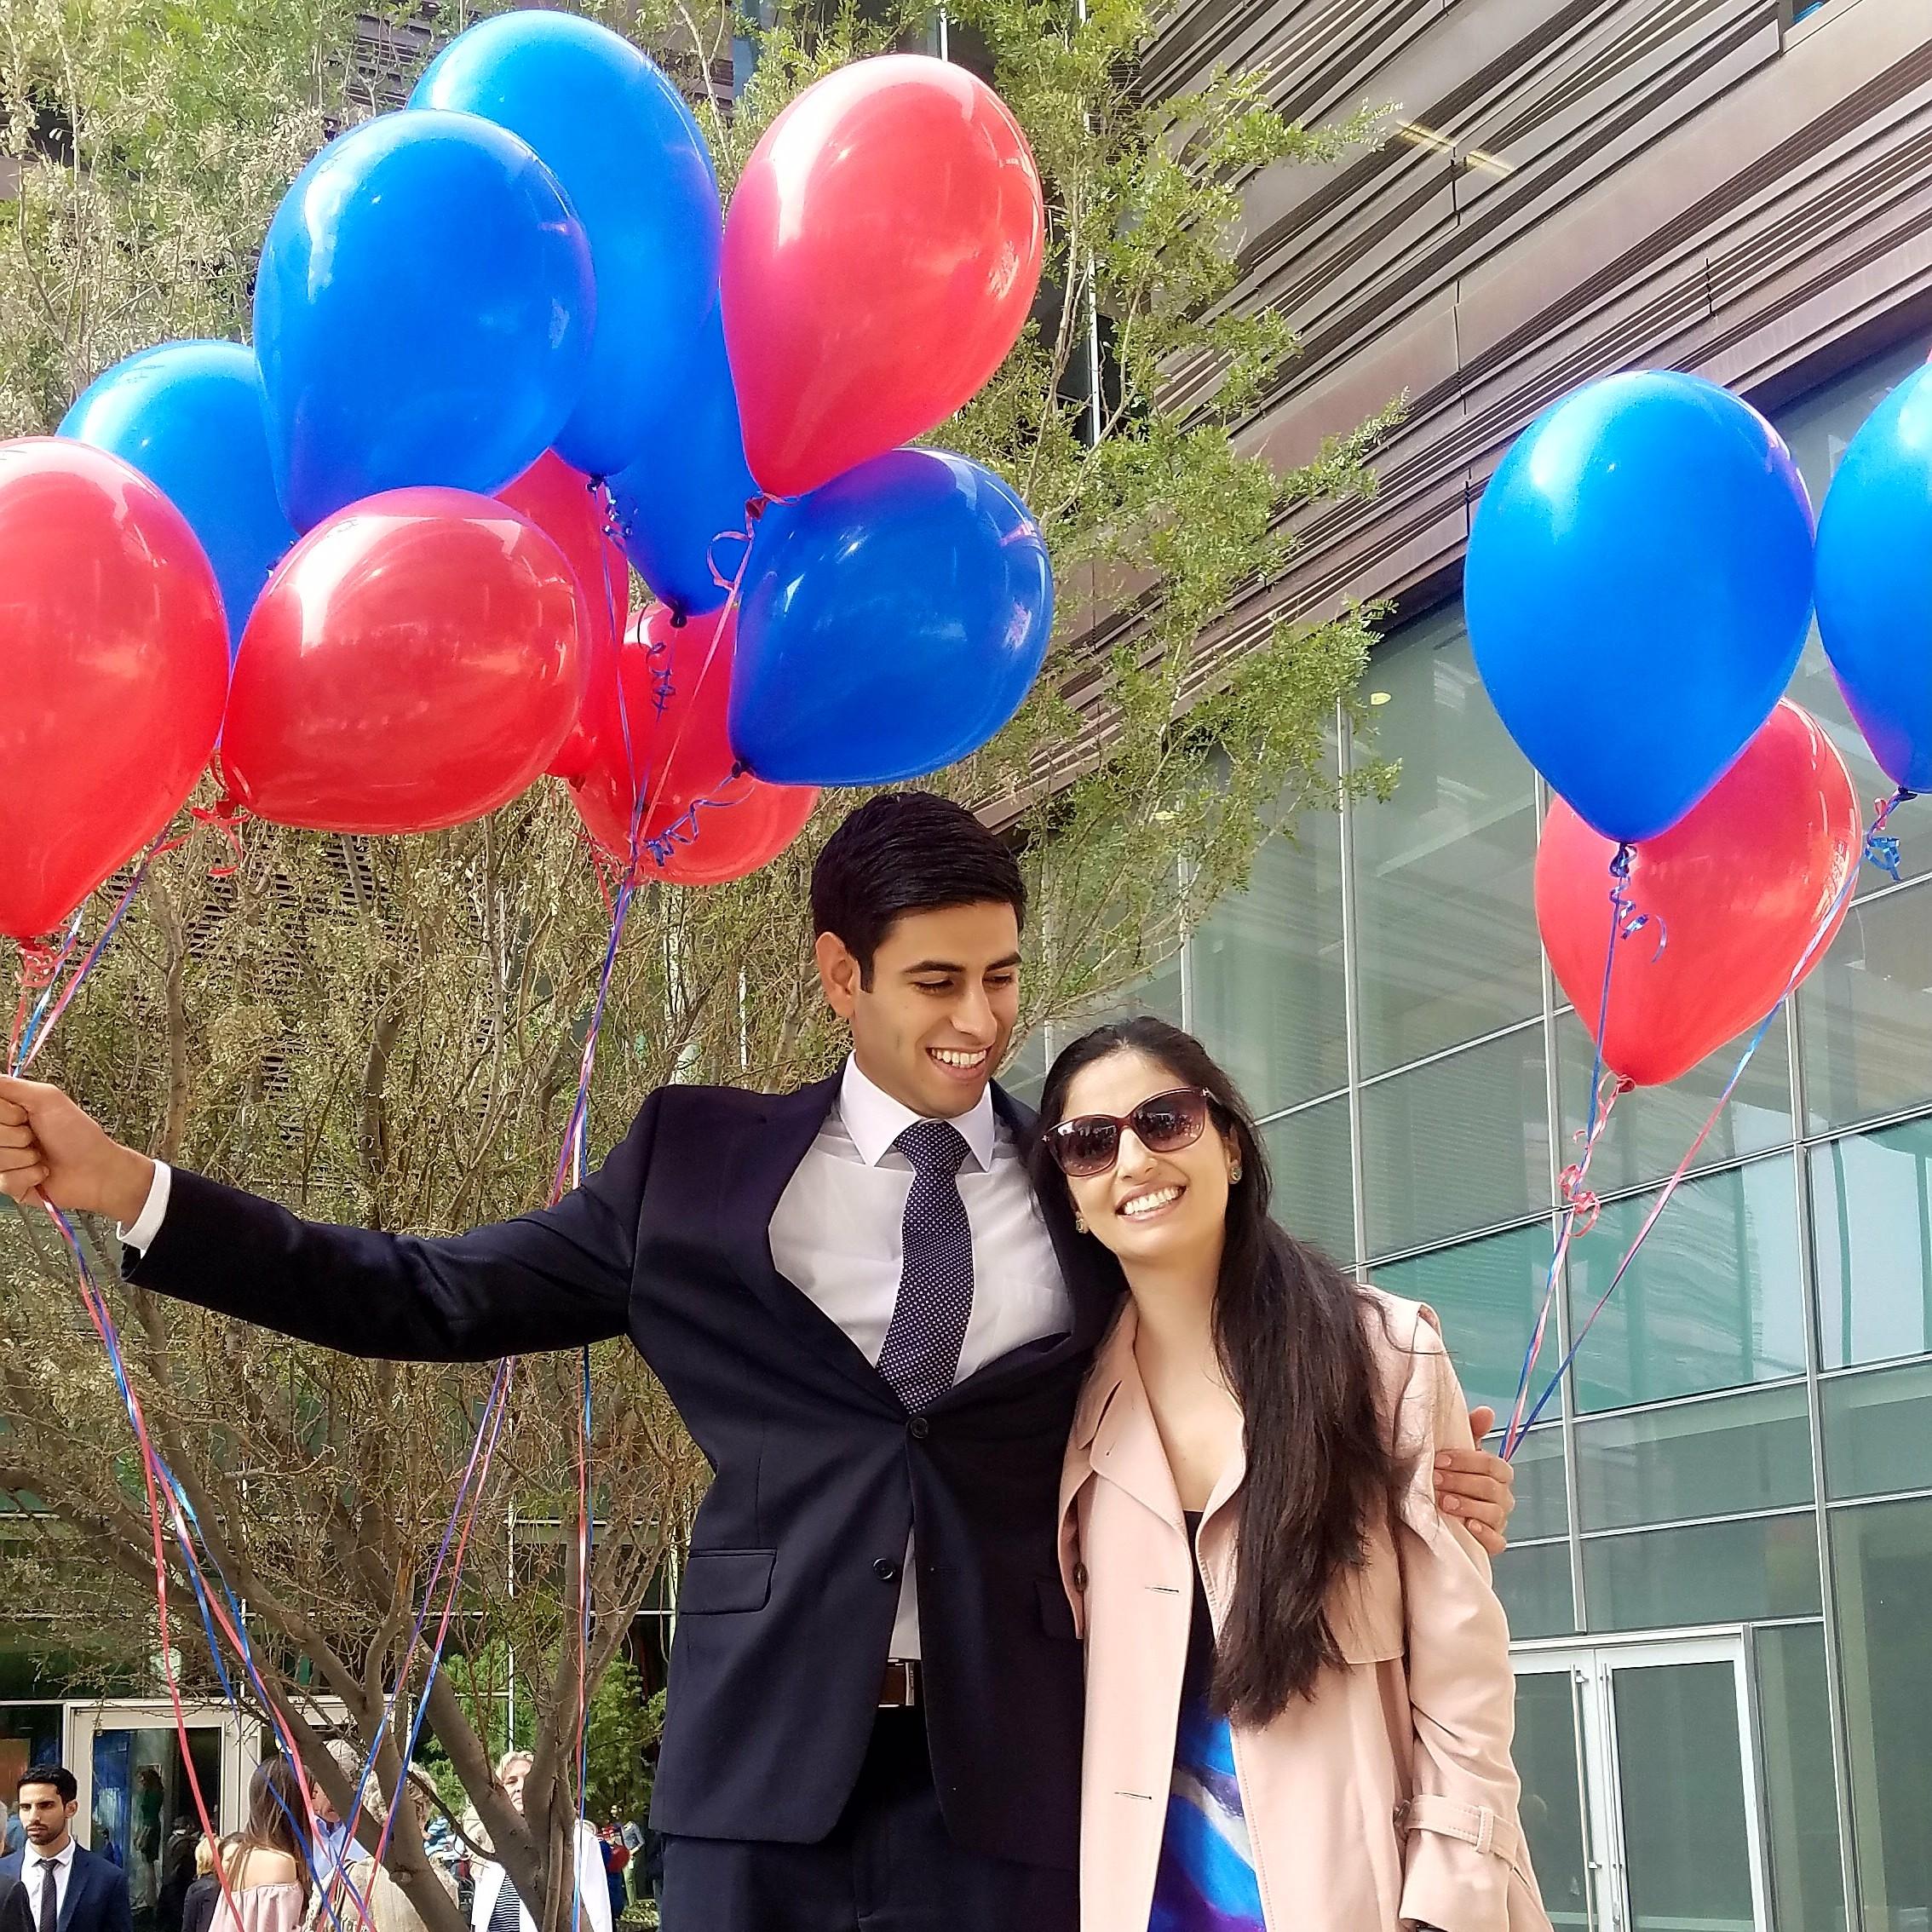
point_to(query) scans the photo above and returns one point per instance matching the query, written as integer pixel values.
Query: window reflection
(1865, 1013)
(1268, 976)
(1800, 1803)
(1884, 1582)
(1459, 1144)
(1714, 1298)
(1313, 1173)
(1871, 1227)
(1713, 1573)
(1447, 951)
(1488, 1293)
(1879, 1432)
(1696, 1459)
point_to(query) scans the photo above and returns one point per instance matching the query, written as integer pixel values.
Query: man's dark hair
(58, 1775)
(907, 852)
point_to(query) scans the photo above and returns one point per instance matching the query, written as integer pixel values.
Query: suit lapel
(76, 1883)
(772, 1150)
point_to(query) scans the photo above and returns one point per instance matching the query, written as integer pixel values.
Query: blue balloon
(189, 417)
(1875, 581)
(691, 486)
(422, 314)
(1637, 590)
(896, 619)
(630, 155)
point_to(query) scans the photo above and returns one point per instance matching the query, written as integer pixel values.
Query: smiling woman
(1259, 1435)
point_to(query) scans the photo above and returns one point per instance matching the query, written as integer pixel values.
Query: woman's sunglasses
(1089, 1143)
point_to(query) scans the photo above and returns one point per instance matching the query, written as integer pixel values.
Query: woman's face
(1166, 1210)
(515, 1773)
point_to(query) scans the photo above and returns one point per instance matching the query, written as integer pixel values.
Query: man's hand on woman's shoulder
(1477, 1488)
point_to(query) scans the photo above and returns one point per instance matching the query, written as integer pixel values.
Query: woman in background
(496, 1906)
(197, 1908)
(268, 1875)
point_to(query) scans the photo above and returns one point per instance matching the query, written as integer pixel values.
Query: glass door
(1640, 1786)
(1551, 1759)
(136, 1802)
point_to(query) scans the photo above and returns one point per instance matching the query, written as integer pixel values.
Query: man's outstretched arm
(552, 1280)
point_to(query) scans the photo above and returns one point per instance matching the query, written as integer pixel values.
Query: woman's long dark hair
(274, 1806)
(1288, 1328)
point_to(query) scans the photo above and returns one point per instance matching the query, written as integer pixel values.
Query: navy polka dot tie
(921, 1355)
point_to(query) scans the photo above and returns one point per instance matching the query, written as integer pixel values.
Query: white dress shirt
(837, 1234)
(140, 1232)
(33, 1878)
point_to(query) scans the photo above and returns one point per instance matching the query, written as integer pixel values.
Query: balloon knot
(40, 960)
(227, 816)
(756, 507)
(1579, 1202)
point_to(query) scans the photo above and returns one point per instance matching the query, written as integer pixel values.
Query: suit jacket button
(885, 1570)
(921, 1428)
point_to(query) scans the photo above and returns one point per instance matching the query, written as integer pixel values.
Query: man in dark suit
(875, 1688)
(53, 1885)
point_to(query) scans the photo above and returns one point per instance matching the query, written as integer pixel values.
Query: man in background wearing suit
(875, 1709)
(52, 1884)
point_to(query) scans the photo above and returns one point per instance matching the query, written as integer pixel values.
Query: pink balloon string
(1579, 1206)
(684, 830)
(170, 1506)
(1878, 847)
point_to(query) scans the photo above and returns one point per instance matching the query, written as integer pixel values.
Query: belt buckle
(899, 1690)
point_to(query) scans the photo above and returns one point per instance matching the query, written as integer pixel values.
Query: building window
(1443, 869)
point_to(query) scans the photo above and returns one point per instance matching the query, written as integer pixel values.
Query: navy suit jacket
(787, 1604)
(96, 1899)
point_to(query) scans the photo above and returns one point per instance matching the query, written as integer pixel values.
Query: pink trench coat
(1386, 1800)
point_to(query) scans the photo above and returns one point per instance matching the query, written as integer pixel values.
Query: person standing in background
(60, 1885)
(497, 1907)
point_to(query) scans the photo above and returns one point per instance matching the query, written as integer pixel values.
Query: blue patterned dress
(1205, 1881)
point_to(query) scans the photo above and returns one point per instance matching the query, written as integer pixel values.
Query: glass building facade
(1720, 1581)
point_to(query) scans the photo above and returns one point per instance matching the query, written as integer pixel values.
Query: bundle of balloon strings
(1577, 1206)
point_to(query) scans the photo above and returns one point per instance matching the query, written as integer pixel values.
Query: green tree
(624, 1723)
(386, 1032)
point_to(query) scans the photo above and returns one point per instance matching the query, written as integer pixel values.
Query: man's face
(933, 1023)
(44, 1817)
(324, 1806)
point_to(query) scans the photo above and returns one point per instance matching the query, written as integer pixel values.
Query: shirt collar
(64, 1856)
(875, 1119)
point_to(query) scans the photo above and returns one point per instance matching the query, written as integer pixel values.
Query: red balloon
(562, 502)
(752, 823)
(414, 662)
(111, 654)
(1736, 892)
(668, 746)
(880, 259)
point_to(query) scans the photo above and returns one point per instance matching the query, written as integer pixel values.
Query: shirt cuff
(147, 1223)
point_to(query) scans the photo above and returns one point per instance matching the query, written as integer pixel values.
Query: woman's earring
(1235, 1173)
(1079, 1224)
